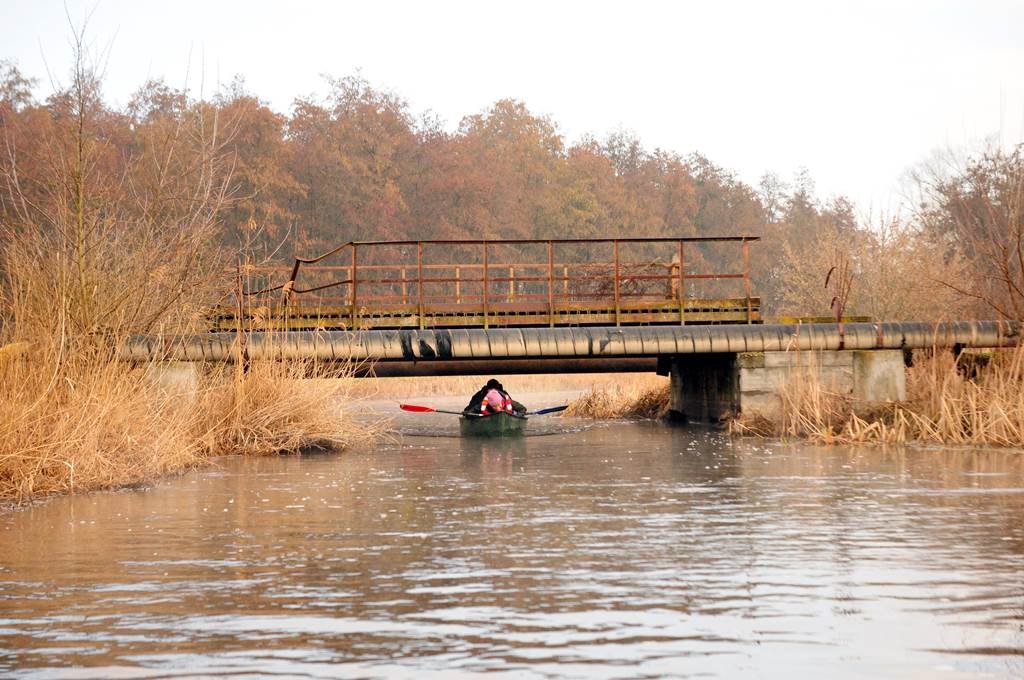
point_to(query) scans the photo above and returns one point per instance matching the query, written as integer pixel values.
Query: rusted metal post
(405, 289)
(746, 277)
(458, 286)
(618, 313)
(419, 283)
(682, 284)
(511, 283)
(551, 283)
(290, 285)
(355, 283)
(565, 281)
(486, 283)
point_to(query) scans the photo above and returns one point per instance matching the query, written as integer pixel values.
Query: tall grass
(76, 419)
(946, 404)
(637, 399)
(280, 407)
(73, 420)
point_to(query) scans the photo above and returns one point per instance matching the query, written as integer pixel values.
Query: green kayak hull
(494, 425)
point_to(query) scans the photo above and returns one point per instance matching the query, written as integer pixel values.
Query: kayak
(495, 425)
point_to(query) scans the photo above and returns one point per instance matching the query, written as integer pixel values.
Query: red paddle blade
(416, 409)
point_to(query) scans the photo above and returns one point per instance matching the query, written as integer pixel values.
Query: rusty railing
(540, 282)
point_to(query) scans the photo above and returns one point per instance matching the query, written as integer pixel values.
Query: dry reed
(948, 403)
(80, 421)
(281, 407)
(70, 421)
(628, 401)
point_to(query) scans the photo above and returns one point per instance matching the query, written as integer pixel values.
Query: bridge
(470, 307)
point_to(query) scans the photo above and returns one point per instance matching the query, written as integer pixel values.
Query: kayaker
(516, 406)
(485, 402)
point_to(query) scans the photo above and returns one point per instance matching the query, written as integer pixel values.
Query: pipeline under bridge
(554, 350)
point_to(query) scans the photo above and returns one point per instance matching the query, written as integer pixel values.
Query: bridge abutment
(709, 388)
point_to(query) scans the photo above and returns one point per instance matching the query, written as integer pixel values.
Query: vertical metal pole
(355, 280)
(682, 284)
(458, 286)
(486, 283)
(511, 283)
(565, 281)
(618, 314)
(551, 283)
(746, 277)
(405, 288)
(419, 282)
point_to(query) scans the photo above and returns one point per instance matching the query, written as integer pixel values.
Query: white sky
(858, 92)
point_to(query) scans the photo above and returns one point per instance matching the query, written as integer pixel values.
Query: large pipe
(590, 344)
(393, 369)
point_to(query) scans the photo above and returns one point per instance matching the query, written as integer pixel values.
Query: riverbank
(976, 399)
(73, 420)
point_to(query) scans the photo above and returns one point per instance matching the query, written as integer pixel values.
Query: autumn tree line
(187, 180)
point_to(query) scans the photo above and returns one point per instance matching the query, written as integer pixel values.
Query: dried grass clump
(73, 420)
(949, 402)
(280, 407)
(618, 402)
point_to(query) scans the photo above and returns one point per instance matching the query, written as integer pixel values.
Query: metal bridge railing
(540, 282)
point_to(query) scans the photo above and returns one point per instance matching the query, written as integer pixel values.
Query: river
(607, 550)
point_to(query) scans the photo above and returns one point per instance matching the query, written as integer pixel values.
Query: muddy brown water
(608, 550)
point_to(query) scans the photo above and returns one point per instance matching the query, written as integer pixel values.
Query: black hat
(493, 384)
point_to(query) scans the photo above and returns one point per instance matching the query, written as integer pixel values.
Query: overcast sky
(857, 92)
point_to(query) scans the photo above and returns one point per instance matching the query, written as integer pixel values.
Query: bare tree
(110, 226)
(978, 207)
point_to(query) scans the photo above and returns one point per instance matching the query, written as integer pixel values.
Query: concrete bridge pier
(709, 388)
(704, 387)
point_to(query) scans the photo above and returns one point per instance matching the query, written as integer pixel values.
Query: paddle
(427, 409)
(549, 409)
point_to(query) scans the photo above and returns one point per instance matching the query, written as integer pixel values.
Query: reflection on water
(621, 550)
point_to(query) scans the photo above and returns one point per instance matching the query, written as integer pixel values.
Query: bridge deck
(499, 315)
